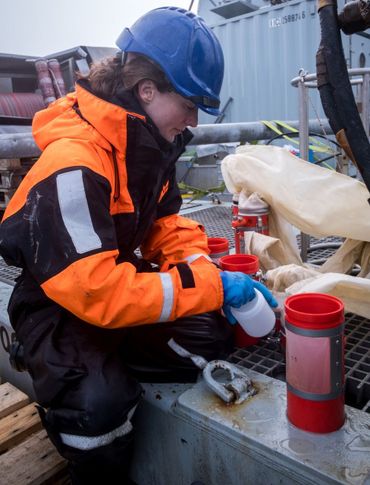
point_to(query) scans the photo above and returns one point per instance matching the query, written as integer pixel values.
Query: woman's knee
(207, 334)
(99, 405)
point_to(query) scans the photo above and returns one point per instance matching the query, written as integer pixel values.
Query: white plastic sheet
(315, 200)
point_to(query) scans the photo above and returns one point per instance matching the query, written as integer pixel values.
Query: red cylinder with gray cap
(314, 324)
(45, 82)
(248, 264)
(218, 247)
(253, 215)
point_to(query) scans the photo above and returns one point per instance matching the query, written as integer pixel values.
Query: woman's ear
(146, 90)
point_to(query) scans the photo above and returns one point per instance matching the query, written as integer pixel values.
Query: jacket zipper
(117, 187)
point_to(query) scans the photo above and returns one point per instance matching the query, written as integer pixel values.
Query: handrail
(359, 71)
(21, 145)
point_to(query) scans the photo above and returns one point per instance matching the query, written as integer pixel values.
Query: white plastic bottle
(255, 317)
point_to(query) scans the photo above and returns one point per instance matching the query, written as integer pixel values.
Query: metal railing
(22, 145)
(305, 81)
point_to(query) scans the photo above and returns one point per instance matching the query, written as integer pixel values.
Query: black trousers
(87, 379)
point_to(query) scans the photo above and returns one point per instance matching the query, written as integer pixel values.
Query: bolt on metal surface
(238, 387)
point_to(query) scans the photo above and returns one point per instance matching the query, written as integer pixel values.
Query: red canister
(44, 80)
(57, 78)
(234, 206)
(248, 264)
(314, 325)
(218, 247)
(249, 219)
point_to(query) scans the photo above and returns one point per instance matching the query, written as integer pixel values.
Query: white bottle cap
(255, 317)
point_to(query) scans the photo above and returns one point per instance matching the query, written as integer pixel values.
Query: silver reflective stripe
(193, 257)
(310, 332)
(219, 255)
(167, 297)
(315, 397)
(91, 442)
(75, 211)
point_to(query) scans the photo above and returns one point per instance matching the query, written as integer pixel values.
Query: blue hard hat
(185, 49)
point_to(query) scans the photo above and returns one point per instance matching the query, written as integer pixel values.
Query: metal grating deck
(357, 362)
(216, 220)
(8, 273)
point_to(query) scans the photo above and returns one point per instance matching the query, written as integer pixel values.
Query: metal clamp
(236, 390)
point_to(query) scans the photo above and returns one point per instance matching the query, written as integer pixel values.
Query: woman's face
(170, 112)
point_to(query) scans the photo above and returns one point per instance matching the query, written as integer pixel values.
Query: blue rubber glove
(239, 289)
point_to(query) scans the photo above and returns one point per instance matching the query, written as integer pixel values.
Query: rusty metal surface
(22, 105)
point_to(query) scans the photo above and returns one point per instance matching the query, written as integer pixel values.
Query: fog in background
(42, 27)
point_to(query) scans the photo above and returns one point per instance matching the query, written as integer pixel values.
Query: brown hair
(108, 75)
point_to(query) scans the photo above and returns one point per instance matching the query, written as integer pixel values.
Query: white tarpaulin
(315, 200)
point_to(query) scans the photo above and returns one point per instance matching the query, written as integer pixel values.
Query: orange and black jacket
(103, 187)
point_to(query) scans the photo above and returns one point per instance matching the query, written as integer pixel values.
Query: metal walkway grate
(8, 273)
(216, 220)
(357, 362)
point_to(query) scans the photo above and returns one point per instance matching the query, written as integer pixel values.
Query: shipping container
(265, 46)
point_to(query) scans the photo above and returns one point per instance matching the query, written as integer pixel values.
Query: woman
(90, 313)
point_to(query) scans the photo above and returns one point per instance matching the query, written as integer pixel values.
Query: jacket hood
(78, 115)
(83, 115)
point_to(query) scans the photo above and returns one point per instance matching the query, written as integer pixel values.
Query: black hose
(330, 108)
(355, 16)
(336, 93)
(296, 133)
